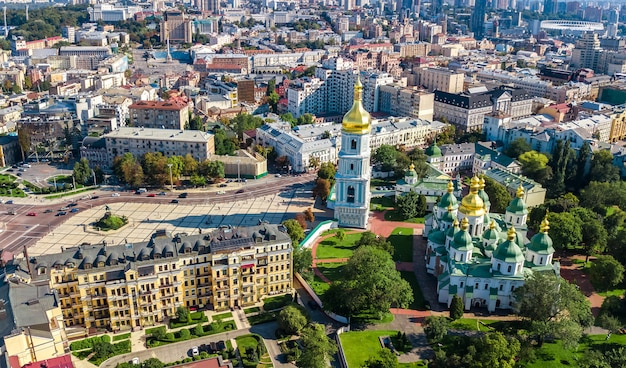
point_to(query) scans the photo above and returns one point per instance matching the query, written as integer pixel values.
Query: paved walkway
(573, 273)
(379, 226)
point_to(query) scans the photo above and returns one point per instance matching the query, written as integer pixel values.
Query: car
(277, 175)
(135, 361)
(221, 192)
(12, 213)
(162, 193)
(31, 214)
(61, 213)
(151, 195)
(195, 351)
(229, 180)
(183, 195)
(221, 345)
(115, 195)
(223, 185)
(72, 205)
(47, 211)
(22, 169)
(14, 167)
(64, 208)
(10, 201)
(137, 192)
(74, 210)
(19, 174)
(312, 304)
(95, 197)
(174, 201)
(10, 170)
(239, 191)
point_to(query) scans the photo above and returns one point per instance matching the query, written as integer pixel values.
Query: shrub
(111, 222)
(185, 334)
(168, 337)
(456, 308)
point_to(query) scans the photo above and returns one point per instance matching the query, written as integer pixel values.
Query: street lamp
(238, 171)
(93, 173)
(171, 177)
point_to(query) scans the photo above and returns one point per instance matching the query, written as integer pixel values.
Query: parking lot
(37, 173)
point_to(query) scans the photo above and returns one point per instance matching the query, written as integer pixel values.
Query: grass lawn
(331, 270)
(359, 346)
(418, 298)
(333, 248)
(261, 318)
(376, 182)
(393, 215)
(121, 337)
(419, 364)
(251, 310)
(614, 292)
(277, 302)
(319, 286)
(370, 319)
(222, 316)
(385, 202)
(402, 240)
(471, 324)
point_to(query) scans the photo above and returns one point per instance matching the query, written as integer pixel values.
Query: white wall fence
(319, 229)
(340, 353)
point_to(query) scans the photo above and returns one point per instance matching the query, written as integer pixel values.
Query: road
(22, 231)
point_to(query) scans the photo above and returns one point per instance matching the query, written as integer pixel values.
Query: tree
(617, 246)
(318, 348)
(565, 230)
(308, 215)
(436, 328)
(594, 234)
(154, 166)
(616, 357)
(321, 189)
(182, 313)
(197, 180)
(102, 349)
(81, 171)
(243, 122)
(302, 260)
(314, 162)
(272, 100)
(553, 306)
(305, 119)
(28, 82)
(419, 158)
(213, 169)
(223, 144)
(340, 234)
(613, 222)
(327, 171)
(295, 231)
(23, 139)
(582, 162)
(533, 163)
(456, 308)
(292, 319)
(288, 117)
(301, 219)
(385, 156)
(177, 166)
(152, 363)
(128, 169)
(371, 284)
(602, 168)
(517, 147)
(411, 205)
(196, 123)
(385, 359)
(498, 195)
(562, 163)
(370, 239)
(606, 272)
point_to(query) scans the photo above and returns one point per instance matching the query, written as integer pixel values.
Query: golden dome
(411, 167)
(511, 234)
(492, 225)
(545, 225)
(357, 120)
(464, 224)
(472, 204)
(520, 191)
(450, 187)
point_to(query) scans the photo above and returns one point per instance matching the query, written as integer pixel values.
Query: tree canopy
(292, 319)
(517, 147)
(318, 348)
(498, 195)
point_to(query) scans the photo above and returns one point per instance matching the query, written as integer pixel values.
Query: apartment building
(440, 79)
(372, 82)
(170, 142)
(177, 27)
(408, 50)
(406, 101)
(135, 285)
(159, 114)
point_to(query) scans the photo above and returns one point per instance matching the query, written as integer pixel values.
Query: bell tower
(352, 186)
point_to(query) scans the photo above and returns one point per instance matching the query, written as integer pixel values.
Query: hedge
(196, 317)
(88, 343)
(208, 329)
(122, 347)
(121, 337)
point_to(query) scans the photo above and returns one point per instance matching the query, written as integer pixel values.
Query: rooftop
(159, 134)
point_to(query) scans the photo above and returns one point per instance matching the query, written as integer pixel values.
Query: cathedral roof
(517, 205)
(357, 120)
(448, 199)
(472, 204)
(453, 230)
(482, 194)
(411, 171)
(433, 150)
(462, 239)
(541, 243)
(508, 251)
(492, 232)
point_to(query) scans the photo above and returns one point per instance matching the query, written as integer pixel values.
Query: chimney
(27, 260)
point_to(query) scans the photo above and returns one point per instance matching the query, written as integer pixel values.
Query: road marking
(22, 236)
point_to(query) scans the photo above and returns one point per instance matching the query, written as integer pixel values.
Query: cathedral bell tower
(352, 185)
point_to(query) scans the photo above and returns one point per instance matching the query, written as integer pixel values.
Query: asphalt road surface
(21, 230)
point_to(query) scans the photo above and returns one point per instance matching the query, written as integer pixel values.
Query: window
(350, 194)
(353, 144)
(509, 269)
(486, 286)
(498, 266)
(351, 166)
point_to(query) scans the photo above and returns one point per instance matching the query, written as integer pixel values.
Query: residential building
(440, 79)
(618, 125)
(112, 13)
(10, 151)
(585, 53)
(177, 27)
(352, 186)
(130, 286)
(487, 159)
(243, 165)
(94, 150)
(533, 193)
(407, 101)
(170, 142)
(470, 257)
(372, 83)
(451, 159)
(408, 50)
(159, 114)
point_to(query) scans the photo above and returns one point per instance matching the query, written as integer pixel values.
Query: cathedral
(481, 256)
(352, 185)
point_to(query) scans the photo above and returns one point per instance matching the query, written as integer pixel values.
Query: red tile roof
(158, 105)
(64, 361)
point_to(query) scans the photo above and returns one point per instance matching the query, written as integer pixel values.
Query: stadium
(571, 26)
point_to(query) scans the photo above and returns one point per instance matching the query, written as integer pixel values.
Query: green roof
(433, 150)
(437, 237)
(517, 206)
(448, 217)
(484, 196)
(447, 200)
(495, 156)
(541, 243)
(453, 290)
(462, 241)
(508, 252)
(452, 230)
(491, 234)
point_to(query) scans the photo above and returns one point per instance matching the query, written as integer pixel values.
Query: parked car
(10, 201)
(31, 214)
(151, 195)
(223, 185)
(64, 208)
(162, 193)
(61, 213)
(95, 197)
(12, 212)
(195, 351)
(135, 361)
(240, 191)
(115, 195)
(72, 205)
(74, 210)
(19, 174)
(174, 201)
(47, 211)
(183, 195)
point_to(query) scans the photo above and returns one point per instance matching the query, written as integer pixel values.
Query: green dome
(508, 251)
(437, 237)
(517, 205)
(462, 239)
(411, 171)
(433, 150)
(491, 233)
(448, 216)
(448, 199)
(541, 243)
(482, 194)
(453, 230)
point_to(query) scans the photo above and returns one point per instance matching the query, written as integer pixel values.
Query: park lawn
(121, 337)
(319, 286)
(402, 240)
(471, 324)
(393, 215)
(418, 298)
(333, 248)
(331, 270)
(386, 202)
(615, 292)
(222, 316)
(419, 364)
(251, 310)
(371, 319)
(359, 346)
(277, 302)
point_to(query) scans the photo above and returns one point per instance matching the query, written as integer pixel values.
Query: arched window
(509, 269)
(498, 267)
(351, 166)
(351, 194)
(353, 144)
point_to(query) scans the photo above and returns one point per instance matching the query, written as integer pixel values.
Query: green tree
(419, 160)
(292, 319)
(517, 147)
(305, 119)
(369, 239)
(154, 166)
(498, 195)
(271, 87)
(24, 140)
(496, 350)
(553, 306)
(177, 166)
(197, 180)
(533, 163)
(321, 189)
(565, 230)
(606, 273)
(594, 235)
(456, 308)
(385, 156)
(411, 205)
(563, 166)
(288, 117)
(302, 260)
(182, 313)
(318, 349)
(243, 122)
(128, 169)
(272, 100)
(295, 231)
(196, 123)
(340, 234)
(385, 359)
(436, 328)
(213, 169)
(615, 357)
(602, 168)
(28, 83)
(613, 222)
(582, 162)
(371, 283)
(617, 246)
(81, 171)
(327, 171)
(152, 363)
(102, 349)
(223, 144)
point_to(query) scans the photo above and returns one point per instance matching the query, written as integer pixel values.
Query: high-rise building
(550, 6)
(176, 27)
(208, 6)
(352, 199)
(585, 53)
(478, 19)
(612, 24)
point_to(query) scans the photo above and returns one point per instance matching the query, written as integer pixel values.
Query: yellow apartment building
(135, 285)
